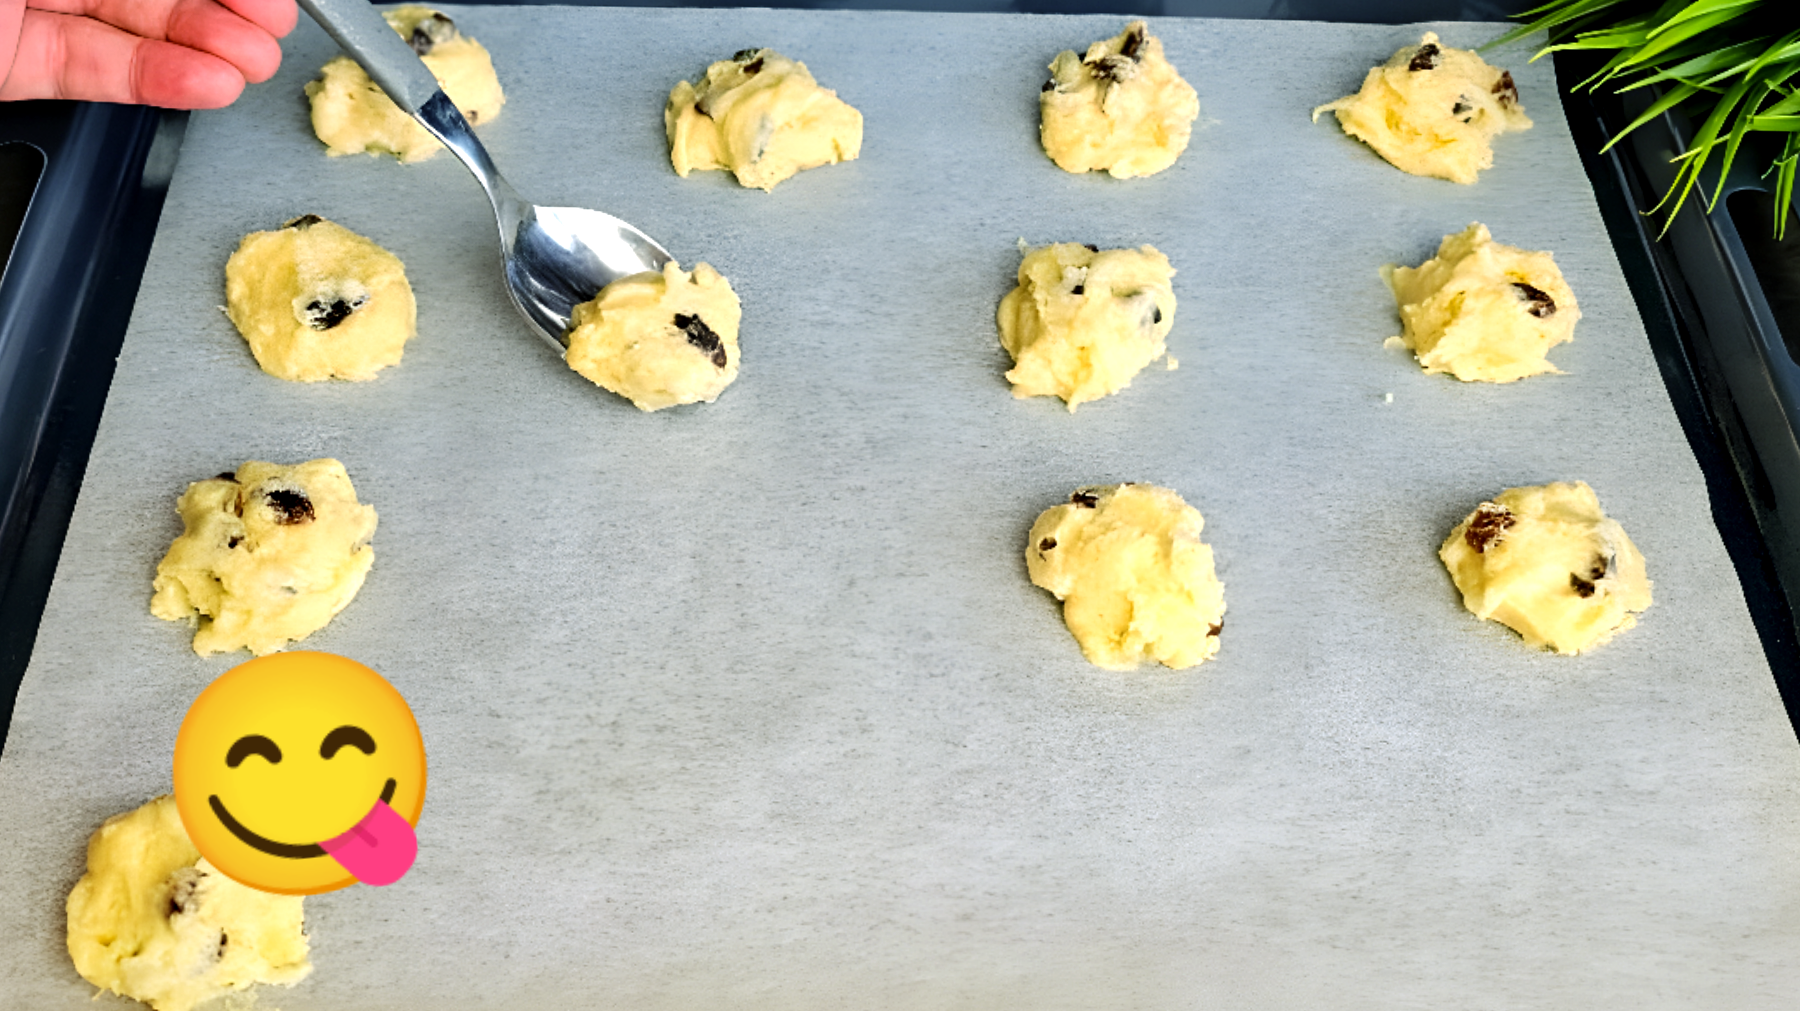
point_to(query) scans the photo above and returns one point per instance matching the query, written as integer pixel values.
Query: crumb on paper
(1174, 363)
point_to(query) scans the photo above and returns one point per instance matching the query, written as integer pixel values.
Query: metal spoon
(553, 257)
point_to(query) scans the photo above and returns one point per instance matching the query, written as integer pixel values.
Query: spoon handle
(363, 33)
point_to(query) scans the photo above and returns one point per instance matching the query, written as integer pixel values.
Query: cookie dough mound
(268, 556)
(1135, 581)
(1547, 563)
(153, 921)
(1120, 109)
(659, 340)
(1432, 111)
(317, 301)
(1083, 322)
(352, 115)
(761, 117)
(1484, 312)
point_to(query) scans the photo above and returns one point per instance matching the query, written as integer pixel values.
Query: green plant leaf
(1702, 66)
(1702, 8)
(1563, 11)
(1675, 97)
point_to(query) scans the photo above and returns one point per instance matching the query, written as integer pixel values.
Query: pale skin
(177, 54)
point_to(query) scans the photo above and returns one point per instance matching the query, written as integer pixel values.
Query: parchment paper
(753, 705)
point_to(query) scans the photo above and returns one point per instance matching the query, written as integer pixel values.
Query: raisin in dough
(1083, 322)
(1432, 110)
(1481, 311)
(1547, 563)
(153, 921)
(659, 340)
(351, 113)
(1120, 109)
(268, 556)
(317, 301)
(761, 117)
(1135, 581)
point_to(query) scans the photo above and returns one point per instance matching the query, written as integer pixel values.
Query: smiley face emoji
(301, 773)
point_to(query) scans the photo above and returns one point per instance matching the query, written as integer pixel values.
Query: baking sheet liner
(753, 705)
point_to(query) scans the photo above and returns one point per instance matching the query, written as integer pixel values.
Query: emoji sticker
(301, 773)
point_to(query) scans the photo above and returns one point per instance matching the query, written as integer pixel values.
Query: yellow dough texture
(1135, 581)
(1547, 563)
(1482, 311)
(1433, 110)
(316, 301)
(352, 115)
(152, 920)
(1083, 321)
(268, 556)
(1121, 109)
(761, 117)
(659, 340)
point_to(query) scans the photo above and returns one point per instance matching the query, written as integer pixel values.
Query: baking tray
(752, 703)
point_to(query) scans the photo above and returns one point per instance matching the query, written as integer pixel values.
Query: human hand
(178, 54)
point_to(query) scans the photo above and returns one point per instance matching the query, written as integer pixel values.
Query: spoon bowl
(553, 258)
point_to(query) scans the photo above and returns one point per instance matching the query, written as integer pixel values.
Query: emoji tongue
(379, 850)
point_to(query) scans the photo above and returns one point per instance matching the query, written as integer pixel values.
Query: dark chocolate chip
(303, 221)
(1084, 499)
(1425, 59)
(182, 895)
(1506, 89)
(473, 116)
(1113, 68)
(233, 542)
(225, 475)
(701, 336)
(430, 33)
(1048, 86)
(1047, 544)
(1583, 588)
(1078, 289)
(1488, 525)
(223, 941)
(1135, 38)
(1090, 247)
(290, 507)
(1602, 565)
(744, 55)
(1217, 627)
(754, 67)
(1460, 107)
(323, 315)
(1537, 302)
(1155, 315)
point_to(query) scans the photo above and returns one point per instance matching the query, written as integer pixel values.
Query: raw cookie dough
(1481, 311)
(152, 920)
(1083, 322)
(1432, 110)
(1135, 581)
(1120, 109)
(317, 301)
(1546, 562)
(659, 339)
(761, 117)
(351, 113)
(269, 555)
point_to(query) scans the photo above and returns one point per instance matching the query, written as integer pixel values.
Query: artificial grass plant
(1734, 64)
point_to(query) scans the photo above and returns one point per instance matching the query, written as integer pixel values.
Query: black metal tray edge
(67, 294)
